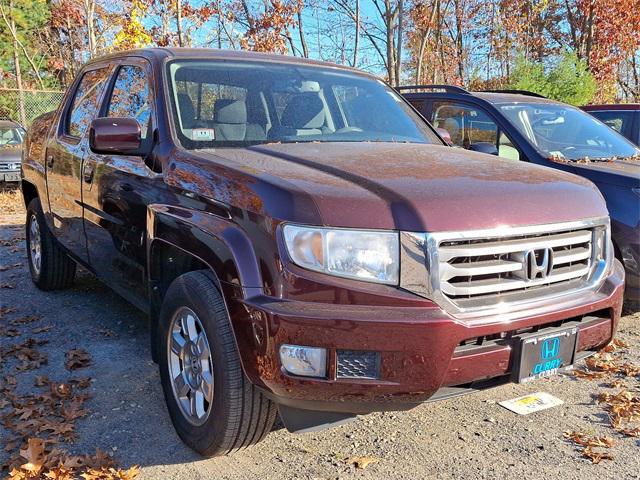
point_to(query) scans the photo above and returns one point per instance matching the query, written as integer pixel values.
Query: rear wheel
(50, 267)
(213, 407)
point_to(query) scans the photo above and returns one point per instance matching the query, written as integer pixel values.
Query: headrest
(305, 110)
(230, 111)
(187, 112)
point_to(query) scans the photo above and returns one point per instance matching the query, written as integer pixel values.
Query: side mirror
(444, 133)
(118, 136)
(484, 147)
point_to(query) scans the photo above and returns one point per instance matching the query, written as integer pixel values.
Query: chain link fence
(23, 106)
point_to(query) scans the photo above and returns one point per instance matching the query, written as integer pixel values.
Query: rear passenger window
(85, 101)
(619, 121)
(130, 97)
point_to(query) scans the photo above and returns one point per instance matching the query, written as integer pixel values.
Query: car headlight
(368, 255)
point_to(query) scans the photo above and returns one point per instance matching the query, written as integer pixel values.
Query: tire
(234, 414)
(50, 266)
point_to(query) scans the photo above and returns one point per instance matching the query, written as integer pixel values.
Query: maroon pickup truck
(304, 243)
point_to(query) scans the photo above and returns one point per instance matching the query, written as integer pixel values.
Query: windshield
(564, 132)
(225, 104)
(10, 136)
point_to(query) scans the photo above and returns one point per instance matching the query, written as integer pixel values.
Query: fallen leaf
(582, 439)
(5, 310)
(594, 456)
(42, 329)
(362, 462)
(77, 358)
(34, 454)
(25, 320)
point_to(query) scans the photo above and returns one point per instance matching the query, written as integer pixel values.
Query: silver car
(11, 139)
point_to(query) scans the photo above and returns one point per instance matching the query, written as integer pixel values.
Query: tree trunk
(303, 40)
(90, 12)
(16, 67)
(399, 47)
(357, 39)
(179, 22)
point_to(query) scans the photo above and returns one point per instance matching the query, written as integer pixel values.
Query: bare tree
(90, 13)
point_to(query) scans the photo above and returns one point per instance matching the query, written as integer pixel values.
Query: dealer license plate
(546, 355)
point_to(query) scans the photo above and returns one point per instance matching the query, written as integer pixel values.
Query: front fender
(228, 253)
(214, 240)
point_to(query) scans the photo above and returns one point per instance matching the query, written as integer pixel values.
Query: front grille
(357, 364)
(470, 268)
(8, 167)
(502, 269)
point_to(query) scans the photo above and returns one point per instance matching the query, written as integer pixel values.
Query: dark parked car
(11, 138)
(305, 243)
(624, 118)
(521, 126)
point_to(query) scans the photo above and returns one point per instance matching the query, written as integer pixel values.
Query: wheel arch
(181, 241)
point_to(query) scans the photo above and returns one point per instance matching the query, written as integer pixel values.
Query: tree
(568, 79)
(132, 33)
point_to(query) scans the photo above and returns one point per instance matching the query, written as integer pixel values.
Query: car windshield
(10, 136)
(226, 104)
(564, 132)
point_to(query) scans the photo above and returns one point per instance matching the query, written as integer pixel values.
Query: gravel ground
(468, 437)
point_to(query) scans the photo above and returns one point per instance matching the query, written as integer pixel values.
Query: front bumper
(420, 351)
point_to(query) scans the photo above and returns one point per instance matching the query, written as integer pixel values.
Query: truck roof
(159, 53)
(612, 106)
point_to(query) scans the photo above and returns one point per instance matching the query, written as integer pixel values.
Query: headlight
(360, 254)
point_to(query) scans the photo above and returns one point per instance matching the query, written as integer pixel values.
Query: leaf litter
(38, 422)
(623, 407)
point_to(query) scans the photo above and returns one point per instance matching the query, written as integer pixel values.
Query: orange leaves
(589, 443)
(582, 439)
(39, 421)
(623, 407)
(624, 410)
(58, 465)
(596, 456)
(266, 32)
(34, 454)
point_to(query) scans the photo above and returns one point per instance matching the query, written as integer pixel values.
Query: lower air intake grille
(358, 364)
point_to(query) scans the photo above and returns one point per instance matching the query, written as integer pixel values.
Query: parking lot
(468, 437)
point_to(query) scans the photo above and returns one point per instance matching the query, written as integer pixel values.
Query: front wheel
(50, 267)
(213, 407)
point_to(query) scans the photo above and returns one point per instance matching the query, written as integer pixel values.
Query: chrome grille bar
(516, 245)
(502, 268)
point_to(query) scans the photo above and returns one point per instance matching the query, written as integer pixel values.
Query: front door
(117, 189)
(470, 126)
(64, 157)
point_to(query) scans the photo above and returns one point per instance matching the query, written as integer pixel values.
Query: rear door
(118, 188)
(64, 155)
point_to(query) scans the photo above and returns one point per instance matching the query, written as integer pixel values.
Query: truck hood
(409, 187)
(11, 154)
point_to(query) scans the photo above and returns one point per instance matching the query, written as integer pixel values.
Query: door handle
(50, 161)
(87, 173)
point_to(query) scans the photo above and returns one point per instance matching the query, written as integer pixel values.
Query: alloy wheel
(190, 366)
(35, 245)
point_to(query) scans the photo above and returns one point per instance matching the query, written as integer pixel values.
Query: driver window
(130, 97)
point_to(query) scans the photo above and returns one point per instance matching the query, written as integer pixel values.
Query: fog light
(304, 361)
